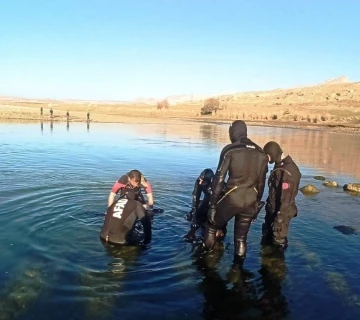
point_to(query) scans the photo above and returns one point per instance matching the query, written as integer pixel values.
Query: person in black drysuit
(246, 164)
(200, 208)
(121, 217)
(280, 206)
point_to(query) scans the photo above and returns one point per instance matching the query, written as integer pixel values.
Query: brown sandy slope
(333, 105)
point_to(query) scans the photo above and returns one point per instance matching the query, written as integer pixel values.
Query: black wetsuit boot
(210, 236)
(241, 229)
(239, 255)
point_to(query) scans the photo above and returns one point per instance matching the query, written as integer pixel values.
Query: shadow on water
(67, 125)
(100, 289)
(273, 272)
(88, 126)
(51, 126)
(242, 295)
(347, 229)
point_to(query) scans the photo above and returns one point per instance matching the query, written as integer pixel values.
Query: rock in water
(353, 187)
(319, 178)
(333, 184)
(309, 189)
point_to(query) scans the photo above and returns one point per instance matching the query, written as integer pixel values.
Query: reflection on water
(67, 126)
(53, 193)
(208, 132)
(324, 150)
(242, 294)
(329, 152)
(273, 272)
(101, 288)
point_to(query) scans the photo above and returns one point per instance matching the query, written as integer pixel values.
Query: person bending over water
(200, 208)
(133, 180)
(121, 217)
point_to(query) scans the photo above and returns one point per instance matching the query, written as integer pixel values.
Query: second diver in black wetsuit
(200, 208)
(280, 208)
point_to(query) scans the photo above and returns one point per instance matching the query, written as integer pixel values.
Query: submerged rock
(354, 187)
(22, 293)
(333, 184)
(319, 178)
(309, 189)
(346, 229)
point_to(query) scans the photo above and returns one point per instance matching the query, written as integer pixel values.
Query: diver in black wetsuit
(246, 164)
(200, 208)
(121, 217)
(280, 208)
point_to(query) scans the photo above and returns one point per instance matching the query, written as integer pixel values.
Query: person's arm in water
(114, 190)
(146, 223)
(145, 184)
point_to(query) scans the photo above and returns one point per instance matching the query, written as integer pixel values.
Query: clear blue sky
(121, 50)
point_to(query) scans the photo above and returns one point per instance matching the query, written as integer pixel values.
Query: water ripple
(54, 196)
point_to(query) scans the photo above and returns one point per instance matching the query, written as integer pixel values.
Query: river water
(55, 180)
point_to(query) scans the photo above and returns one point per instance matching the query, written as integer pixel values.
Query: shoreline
(332, 108)
(331, 127)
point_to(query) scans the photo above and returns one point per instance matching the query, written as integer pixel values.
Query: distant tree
(210, 105)
(164, 104)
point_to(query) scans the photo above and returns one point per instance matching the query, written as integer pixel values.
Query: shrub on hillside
(210, 105)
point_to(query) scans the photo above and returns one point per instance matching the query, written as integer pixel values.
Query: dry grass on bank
(336, 105)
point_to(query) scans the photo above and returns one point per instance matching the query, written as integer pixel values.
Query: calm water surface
(54, 185)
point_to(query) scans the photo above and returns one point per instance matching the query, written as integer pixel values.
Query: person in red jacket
(123, 212)
(133, 180)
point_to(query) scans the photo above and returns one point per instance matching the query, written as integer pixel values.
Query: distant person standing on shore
(51, 113)
(41, 111)
(67, 115)
(88, 116)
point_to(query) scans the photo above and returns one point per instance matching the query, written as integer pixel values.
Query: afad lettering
(119, 208)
